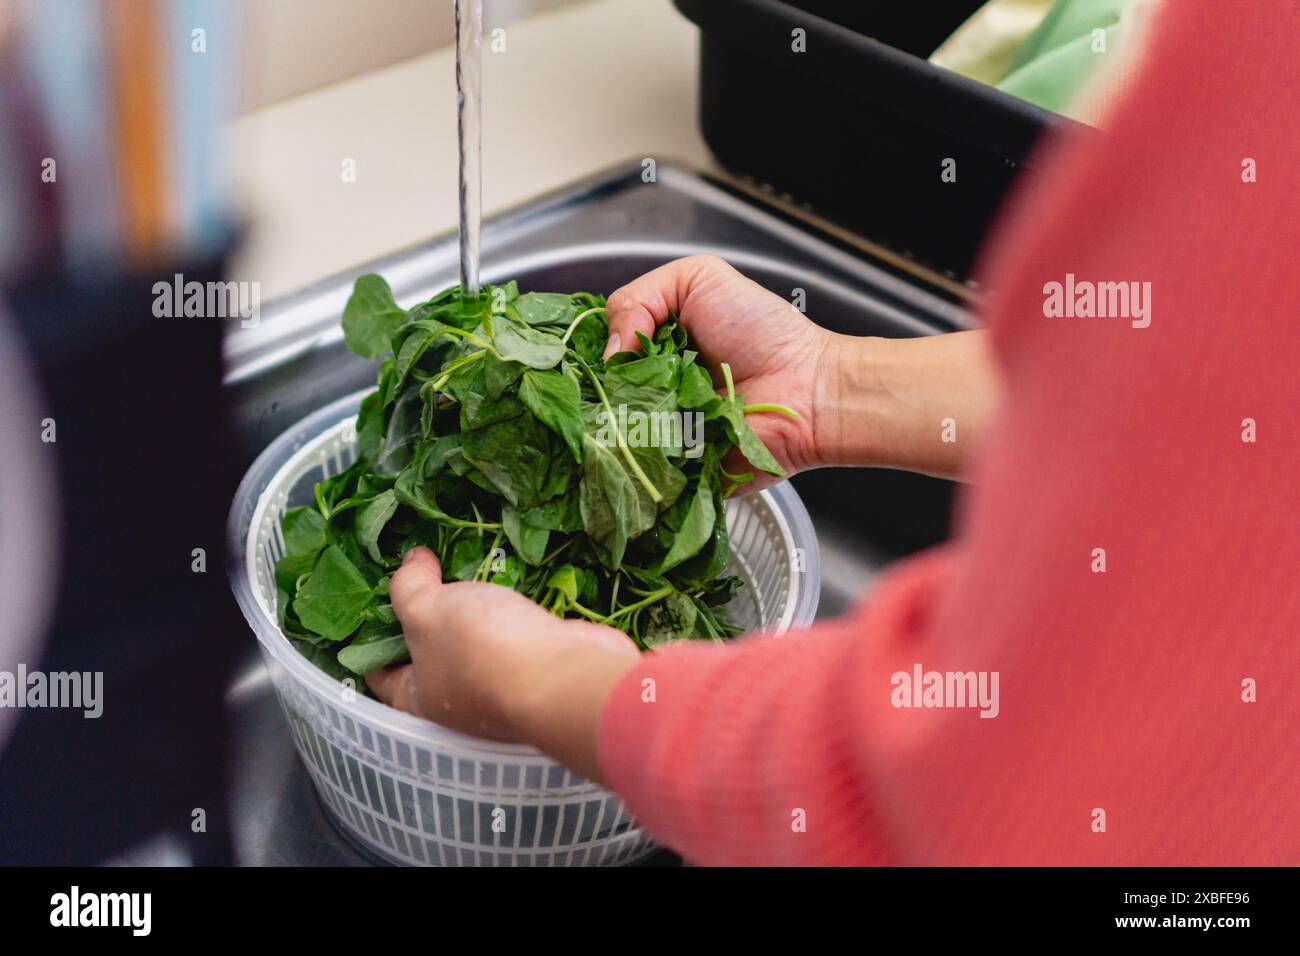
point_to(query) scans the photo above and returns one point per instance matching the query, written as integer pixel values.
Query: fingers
(396, 687)
(414, 589)
(608, 638)
(644, 303)
(430, 609)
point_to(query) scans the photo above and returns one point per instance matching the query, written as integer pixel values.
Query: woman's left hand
(487, 661)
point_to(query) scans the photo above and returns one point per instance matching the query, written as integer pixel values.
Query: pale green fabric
(985, 46)
(1064, 53)
(1057, 60)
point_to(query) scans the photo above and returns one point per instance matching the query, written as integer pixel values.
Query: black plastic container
(858, 126)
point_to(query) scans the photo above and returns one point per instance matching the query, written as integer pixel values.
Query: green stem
(485, 566)
(321, 506)
(546, 561)
(764, 407)
(574, 324)
(731, 383)
(644, 602)
(632, 463)
(586, 612)
(441, 381)
(480, 525)
(469, 336)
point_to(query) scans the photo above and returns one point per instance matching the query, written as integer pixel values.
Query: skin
(487, 661)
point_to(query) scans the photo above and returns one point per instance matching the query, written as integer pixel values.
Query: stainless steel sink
(593, 236)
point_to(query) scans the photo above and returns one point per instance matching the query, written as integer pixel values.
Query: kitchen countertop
(576, 90)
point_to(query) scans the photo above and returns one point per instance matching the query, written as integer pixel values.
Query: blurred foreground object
(27, 515)
(108, 135)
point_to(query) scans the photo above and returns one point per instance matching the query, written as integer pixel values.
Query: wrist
(850, 401)
(553, 696)
(903, 403)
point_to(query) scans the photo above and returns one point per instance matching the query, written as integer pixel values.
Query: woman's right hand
(918, 404)
(776, 354)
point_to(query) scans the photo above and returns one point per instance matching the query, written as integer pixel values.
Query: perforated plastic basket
(413, 792)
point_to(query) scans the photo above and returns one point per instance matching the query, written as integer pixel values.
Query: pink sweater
(1148, 713)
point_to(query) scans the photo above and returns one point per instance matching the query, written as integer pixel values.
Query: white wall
(293, 46)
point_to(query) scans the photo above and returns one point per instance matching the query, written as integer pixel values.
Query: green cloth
(985, 46)
(1062, 55)
(1045, 52)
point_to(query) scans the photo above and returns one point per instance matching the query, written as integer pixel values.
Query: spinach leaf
(608, 498)
(370, 424)
(401, 437)
(666, 477)
(324, 658)
(561, 513)
(467, 557)
(565, 580)
(546, 308)
(589, 336)
(511, 447)
(741, 435)
(670, 620)
(371, 520)
(528, 540)
(697, 528)
(334, 597)
(291, 568)
(371, 317)
(376, 645)
(303, 530)
(556, 399)
(659, 371)
(421, 334)
(528, 346)
(697, 390)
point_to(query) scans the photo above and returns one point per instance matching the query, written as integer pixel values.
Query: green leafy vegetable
(556, 399)
(371, 519)
(377, 645)
(334, 598)
(499, 438)
(370, 317)
(696, 529)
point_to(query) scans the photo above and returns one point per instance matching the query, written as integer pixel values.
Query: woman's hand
(918, 404)
(487, 661)
(777, 356)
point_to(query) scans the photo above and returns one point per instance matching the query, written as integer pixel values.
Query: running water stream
(469, 116)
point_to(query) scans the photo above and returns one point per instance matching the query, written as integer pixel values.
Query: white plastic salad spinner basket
(412, 792)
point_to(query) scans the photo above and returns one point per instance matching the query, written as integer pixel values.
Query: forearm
(920, 404)
(554, 700)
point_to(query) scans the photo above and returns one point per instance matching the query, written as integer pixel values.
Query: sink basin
(593, 236)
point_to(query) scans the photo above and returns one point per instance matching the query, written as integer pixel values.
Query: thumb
(414, 590)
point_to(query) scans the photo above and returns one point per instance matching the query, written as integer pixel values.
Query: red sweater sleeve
(1148, 713)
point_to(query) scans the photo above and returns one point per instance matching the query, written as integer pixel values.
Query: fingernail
(409, 556)
(615, 344)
